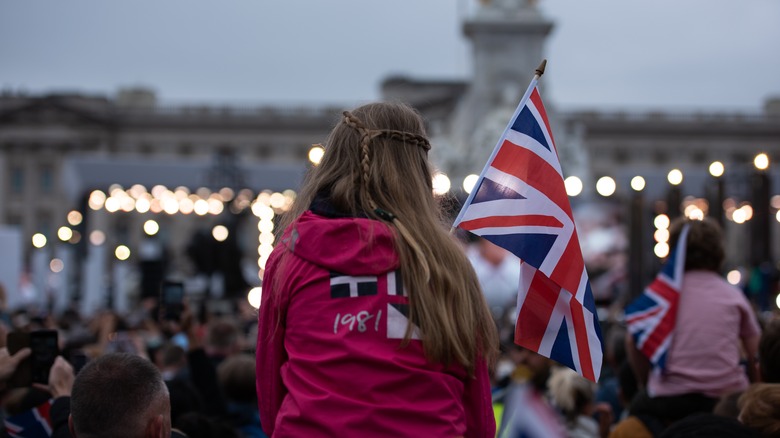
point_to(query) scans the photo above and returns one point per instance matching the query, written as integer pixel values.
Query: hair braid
(365, 139)
(366, 135)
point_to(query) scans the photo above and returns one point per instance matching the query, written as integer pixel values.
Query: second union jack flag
(651, 317)
(520, 204)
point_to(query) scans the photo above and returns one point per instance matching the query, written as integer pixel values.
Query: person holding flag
(689, 329)
(372, 322)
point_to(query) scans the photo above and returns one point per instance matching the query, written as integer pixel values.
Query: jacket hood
(351, 246)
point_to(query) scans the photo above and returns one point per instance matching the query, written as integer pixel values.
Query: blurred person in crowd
(237, 380)
(714, 325)
(498, 272)
(527, 410)
(769, 353)
(759, 408)
(608, 389)
(223, 339)
(574, 396)
(372, 321)
(705, 425)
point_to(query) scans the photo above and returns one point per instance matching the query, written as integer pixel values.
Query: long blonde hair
(376, 165)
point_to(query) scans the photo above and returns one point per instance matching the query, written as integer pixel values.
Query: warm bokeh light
(777, 216)
(661, 235)
(142, 205)
(75, 218)
(606, 186)
(266, 238)
(186, 206)
(96, 200)
(264, 212)
(734, 277)
(122, 252)
(151, 227)
(64, 233)
(215, 206)
(573, 185)
(661, 221)
(717, 169)
(201, 207)
(220, 233)
(761, 161)
(97, 237)
(693, 212)
(170, 205)
(661, 249)
(265, 226)
(748, 209)
(777, 301)
(113, 204)
(227, 194)
(675, 177)
(441, 184)
(38, 240)
(255, 296)
(739, 216)
(316, 153)
(469, 182)
(638, 183)
(56, 265)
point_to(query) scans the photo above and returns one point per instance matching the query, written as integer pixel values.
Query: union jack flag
(519, 203)
(651, 317)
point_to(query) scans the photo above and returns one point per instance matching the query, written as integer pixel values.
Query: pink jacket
(329, 363)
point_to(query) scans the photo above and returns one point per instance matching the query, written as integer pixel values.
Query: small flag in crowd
(32, 423)
(530, 416)
(651, 317)
(520, 204)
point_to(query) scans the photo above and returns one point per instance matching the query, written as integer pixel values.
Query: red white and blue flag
(520, 204)
(651, 317)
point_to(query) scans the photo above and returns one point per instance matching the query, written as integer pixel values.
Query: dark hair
(222, 333)
(705, 243)
(112, 394)
(708, 425)
(237, 378)
(769, 353)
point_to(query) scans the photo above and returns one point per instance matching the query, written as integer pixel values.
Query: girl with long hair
(372, 322)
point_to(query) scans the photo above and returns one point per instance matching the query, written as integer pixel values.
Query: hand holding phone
(43, 351)
(9, 363)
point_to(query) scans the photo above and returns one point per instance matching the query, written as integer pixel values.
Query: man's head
(120, 395)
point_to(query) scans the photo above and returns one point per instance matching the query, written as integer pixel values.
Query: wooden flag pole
(540, 69)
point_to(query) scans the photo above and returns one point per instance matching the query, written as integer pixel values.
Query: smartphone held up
(35, 368)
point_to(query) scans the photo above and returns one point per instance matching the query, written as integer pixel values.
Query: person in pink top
(372, 322)
(715, 338)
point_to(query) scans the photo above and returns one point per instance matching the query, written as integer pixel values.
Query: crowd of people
(137, 375)
(375, 321)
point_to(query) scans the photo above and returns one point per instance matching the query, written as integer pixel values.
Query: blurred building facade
(103, 157)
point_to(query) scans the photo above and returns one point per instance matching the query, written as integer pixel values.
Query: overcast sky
(603, 54)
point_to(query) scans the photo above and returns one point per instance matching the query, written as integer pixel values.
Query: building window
(47, 179)
(17, 180)
(263, 151)
(44, 224)
(146, 149)
(186, 149)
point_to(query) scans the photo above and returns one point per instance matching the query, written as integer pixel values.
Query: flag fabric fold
(520, 203)
(651, 317)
